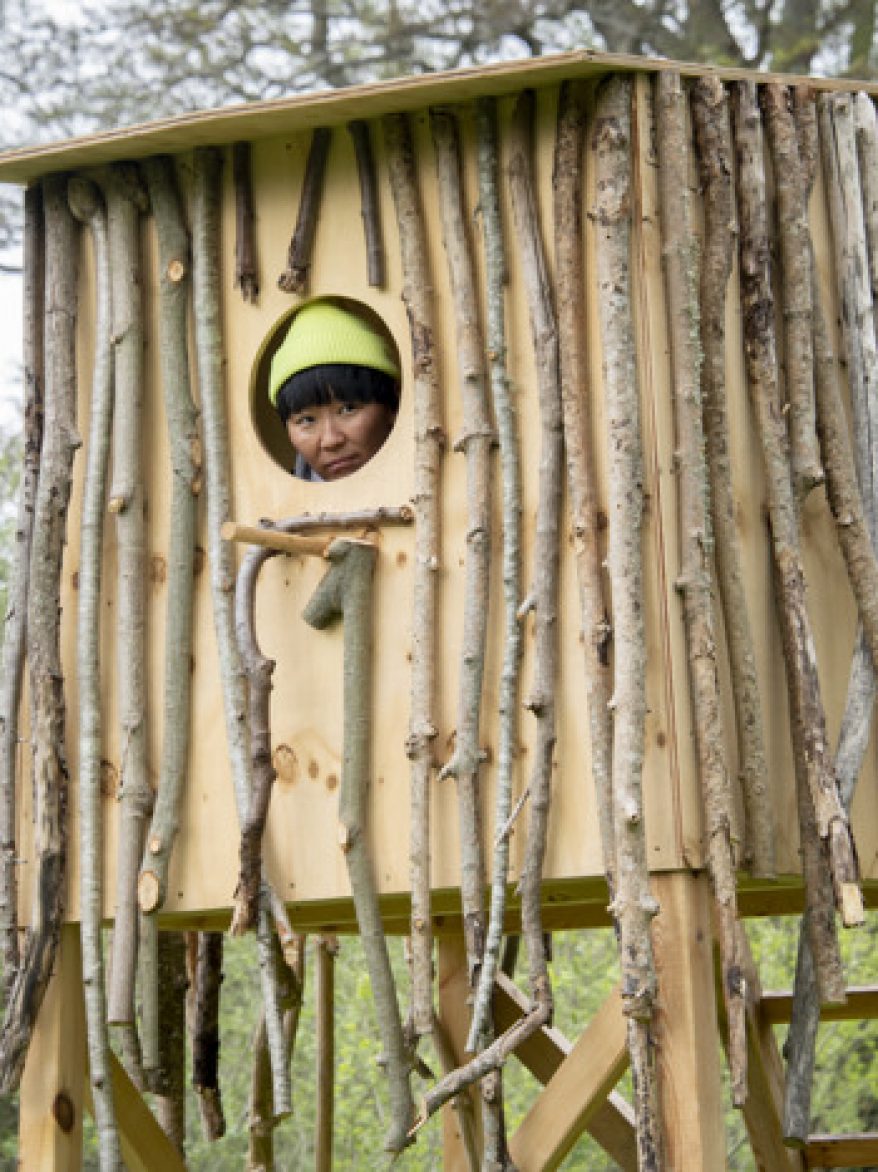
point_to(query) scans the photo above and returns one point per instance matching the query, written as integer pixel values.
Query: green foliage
(10, 478)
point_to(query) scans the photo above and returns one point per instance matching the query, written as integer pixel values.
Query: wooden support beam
(145, 1147)
(763, 1110)
(842, 1151)
(686, 1032)
(454, 1016)
(860, 1004)
(50, 1119)
(612, 1123)
(575, 1092)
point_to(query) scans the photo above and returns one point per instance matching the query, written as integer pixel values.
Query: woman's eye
(348, 408)
(303, 420)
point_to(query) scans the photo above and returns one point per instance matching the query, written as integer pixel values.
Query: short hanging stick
(633, 906)
(47, 704)
(475, 442)
(681, 292)
(806, 702)
(169, 1081)
(294, 278)
(369, 202)
(796, 260)
(209, 353)
(581, 479)
(87, 205)
(14, 632)
(185, 447)
(346, 593)
(126, 200)
(546, 553)
(713, 137)
(205, 980)
(429, 444)
(507, 430)
(246, 266)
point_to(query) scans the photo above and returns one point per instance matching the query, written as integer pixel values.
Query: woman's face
(338, 438)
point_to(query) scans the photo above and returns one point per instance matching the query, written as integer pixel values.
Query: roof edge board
(252, 121)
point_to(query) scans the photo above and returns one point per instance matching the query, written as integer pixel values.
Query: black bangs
(319, 385)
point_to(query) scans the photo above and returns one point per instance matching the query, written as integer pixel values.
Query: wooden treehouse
(589, 614)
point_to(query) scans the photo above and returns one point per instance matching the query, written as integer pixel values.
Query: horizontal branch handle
(295, 543)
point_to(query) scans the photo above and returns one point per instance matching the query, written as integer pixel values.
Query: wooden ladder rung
(842, 1151)
(861, 1003)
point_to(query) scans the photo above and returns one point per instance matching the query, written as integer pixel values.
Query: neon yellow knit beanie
(323, 333)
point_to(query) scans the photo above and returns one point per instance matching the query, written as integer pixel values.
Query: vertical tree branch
(475, 442)
(567, 186)
(546, 553)
(429, 444)
(205, 980)
(507, 429)
(696, 547)
(326, 952)
(795, 255)
(294, 278)
(87, 205)
(246, 266)
(15, 628)
(713, 138)
(806, 704)
(369, 202)
(47, 706)
(126, 200)
(346, 593)
(185, 447)
(209, 352)
(169, 1083)
(633, 906)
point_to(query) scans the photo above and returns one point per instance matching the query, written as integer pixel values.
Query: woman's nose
(332, 435)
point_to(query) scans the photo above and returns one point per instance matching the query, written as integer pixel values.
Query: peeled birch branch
(87, 205)
(429, 445)
(696, 548)
(15, 619)
(294, 278)
(47, 703)
(126, 201)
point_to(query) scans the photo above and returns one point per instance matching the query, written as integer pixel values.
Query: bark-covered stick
(47, 703)
(294, 278)
(713, 137)
(169, 1084)
(369, 202)
(696, 547)
(206, 287)
(259, 672)
(633, 905)
(475, 442)
(510, 474)
(429, 445)
(126, 200)
(546, 552)
(14, 631)
(87, 205)
(568, 182)
(246, 266)
(327, 950)
(346, 593)
(795, 287)
(206, 975)
(185, 472)
(806, 703)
